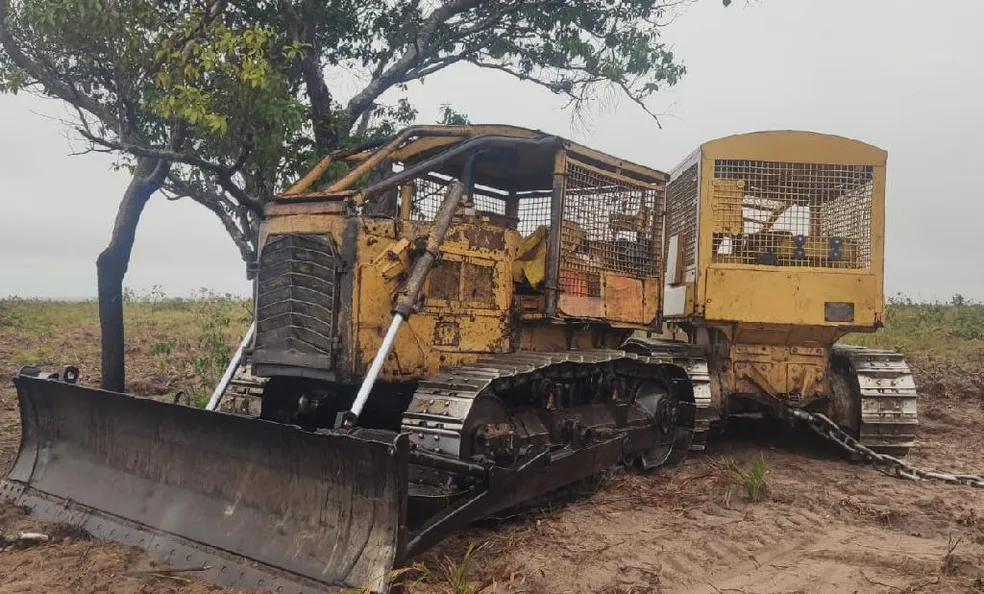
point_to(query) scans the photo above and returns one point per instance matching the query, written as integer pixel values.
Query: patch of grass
(452, 577)
(42, 354)
(183, 343)
(948, 329)
(9, 316)
(214, 352)
(43, 316)
(753, 480)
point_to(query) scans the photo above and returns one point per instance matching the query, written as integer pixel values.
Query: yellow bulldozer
(474, 316)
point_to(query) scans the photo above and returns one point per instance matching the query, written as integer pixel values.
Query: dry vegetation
(767, 509)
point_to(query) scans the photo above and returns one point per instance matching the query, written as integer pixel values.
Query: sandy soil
(826, 525)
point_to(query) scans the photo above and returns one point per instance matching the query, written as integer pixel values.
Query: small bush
(214, 320)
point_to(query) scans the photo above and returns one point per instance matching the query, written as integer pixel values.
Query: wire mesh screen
(534, 212)
(487, 200)
(611, 224)
(681, 212)
(427, 194)
(429, 191)
(792, 214)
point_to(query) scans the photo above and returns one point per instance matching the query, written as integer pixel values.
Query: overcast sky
(900, 74)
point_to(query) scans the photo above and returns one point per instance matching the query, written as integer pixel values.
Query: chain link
(884, 463)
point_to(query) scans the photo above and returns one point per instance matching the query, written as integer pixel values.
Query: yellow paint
(624, 298)
(761, 294)
(470, 306)
(794, 146)
(581, 306)
(444, 331)
(769, 334)
(302, 223)
(530, 265)
(777, 371)
(789, 146)
(727, 205)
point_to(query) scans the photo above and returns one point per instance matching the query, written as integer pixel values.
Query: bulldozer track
(887, 393)
(441, 405)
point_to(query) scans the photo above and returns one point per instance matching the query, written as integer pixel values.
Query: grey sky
(895, 73)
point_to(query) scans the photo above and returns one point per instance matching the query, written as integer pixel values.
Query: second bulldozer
(472, 317)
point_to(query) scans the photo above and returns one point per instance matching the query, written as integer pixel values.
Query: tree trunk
(111, 267)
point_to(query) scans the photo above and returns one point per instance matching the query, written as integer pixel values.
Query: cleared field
(766, 509)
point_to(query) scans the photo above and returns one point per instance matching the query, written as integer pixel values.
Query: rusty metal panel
(838, 311)
(624, 298)
(576, 305)
(299, 506)
(444, 281)
(478, 284)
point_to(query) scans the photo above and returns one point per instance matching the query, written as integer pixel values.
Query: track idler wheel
(669, 416)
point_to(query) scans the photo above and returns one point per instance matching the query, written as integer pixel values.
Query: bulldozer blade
(243, 502)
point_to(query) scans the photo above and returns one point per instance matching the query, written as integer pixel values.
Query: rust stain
(444, 281)
(487, 239)
(447, 334)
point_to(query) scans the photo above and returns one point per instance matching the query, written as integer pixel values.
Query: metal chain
(884, 463)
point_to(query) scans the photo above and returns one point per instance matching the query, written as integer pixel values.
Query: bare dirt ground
(825, 525)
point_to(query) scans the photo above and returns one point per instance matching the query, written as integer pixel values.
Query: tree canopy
(232, 97)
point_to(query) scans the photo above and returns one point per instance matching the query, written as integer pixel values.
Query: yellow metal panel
(728, 195)
(327, 224)
(761, 294)
(469, 316)
(777, 370)
(530, 264)
(795, 146)
(624, 299)
(705, 232)
(651, 293)
(581, 306)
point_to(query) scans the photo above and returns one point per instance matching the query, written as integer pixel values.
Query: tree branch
(325, 133)
(247, 201)
(397, 72)
(153, 153)
(222, 173)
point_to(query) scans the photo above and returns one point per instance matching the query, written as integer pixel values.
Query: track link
(887, 393)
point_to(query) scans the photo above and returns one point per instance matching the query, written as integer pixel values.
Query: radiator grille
(610, 224)
(792, 214)
(295, 301)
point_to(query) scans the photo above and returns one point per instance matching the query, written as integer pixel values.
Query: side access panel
(262, 505)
